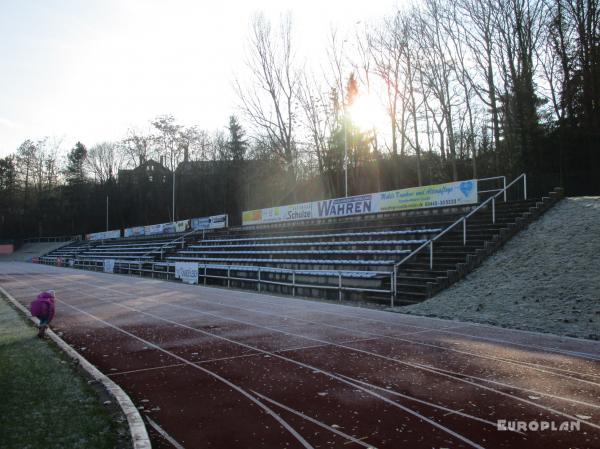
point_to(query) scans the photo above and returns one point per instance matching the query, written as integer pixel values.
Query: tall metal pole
(345, 154)
(173, 167)
(107, 212)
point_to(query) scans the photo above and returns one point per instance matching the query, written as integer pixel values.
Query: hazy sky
(88, 70)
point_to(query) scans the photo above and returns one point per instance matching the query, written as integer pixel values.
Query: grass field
(45, 402)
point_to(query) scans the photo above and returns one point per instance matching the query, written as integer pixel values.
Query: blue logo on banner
(466, 187)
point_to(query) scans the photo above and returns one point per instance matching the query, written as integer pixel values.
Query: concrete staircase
(452, 260)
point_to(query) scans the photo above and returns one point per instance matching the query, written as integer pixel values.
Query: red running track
(219, 368)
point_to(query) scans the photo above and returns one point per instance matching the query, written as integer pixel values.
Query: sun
(367, 113)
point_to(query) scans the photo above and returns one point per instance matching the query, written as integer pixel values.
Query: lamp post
(345, 153)
(173, 167)
(107, 212)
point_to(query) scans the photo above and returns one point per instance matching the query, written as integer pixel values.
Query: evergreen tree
(76, 190)
(236, 145)
(74, 171)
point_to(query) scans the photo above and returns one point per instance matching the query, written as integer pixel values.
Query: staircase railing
(181, 237)
(462, 220)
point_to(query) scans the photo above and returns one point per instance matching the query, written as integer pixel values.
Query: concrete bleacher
(66, 252)
(92, 253)
(317, 251)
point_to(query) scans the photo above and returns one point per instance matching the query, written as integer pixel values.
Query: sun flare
(367, 113)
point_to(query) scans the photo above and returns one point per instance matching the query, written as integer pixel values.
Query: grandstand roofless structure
(395, 257)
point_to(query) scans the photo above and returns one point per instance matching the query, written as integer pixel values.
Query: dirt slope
(545, 279)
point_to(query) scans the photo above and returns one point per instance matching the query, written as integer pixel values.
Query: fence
(61, 238)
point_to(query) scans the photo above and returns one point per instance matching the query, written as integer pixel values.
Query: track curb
(137, 428)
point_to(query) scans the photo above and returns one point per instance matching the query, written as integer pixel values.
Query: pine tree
(74, 171)
(236, 144)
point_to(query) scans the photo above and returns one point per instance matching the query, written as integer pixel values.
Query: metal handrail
(182, 237)
(495, 190)
(462, 220)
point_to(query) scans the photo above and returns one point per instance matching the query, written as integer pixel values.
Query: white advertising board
(109, 265)
(154, 229)
(104, 235)
(134, 232)
(218, 221)
(182, 225)
(439, 195)
(212, 222)
(187, 272)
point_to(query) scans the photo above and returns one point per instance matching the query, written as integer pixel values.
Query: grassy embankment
(44, 401)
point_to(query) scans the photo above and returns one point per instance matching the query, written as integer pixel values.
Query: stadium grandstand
(349, 251)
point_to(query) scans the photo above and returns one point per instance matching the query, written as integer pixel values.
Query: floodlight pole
(345, 153)
(172, 165)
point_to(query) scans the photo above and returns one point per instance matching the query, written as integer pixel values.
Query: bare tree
(104, 160)
(437, 70)
(320, 121)
(387, 50)
(479, 20)
(460, 56)
(138, 147)
(270, 99)
(167, 139)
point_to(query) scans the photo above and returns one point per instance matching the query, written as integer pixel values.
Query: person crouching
(42, 307)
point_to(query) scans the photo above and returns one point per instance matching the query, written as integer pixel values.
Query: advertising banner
(109, 265)
(218, 221)
(182, 225)
(200, 223)
(154, 229)
(440, 195)
(187, 272)
(134, 232)
(104, 235)
(169, 228)
(213, 222)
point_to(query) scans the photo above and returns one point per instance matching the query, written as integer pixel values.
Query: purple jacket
(43, 306)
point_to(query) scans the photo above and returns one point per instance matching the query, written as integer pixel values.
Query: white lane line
(295, 303)
(221, 359)
(578, 354)
(141, 370)
(237, 388)
(417, 366)
(314, 421)
(427, 368)
(596, 384)
(164, 434)
(292, 303)
(420, 401)
(309, 367)
(535, 366)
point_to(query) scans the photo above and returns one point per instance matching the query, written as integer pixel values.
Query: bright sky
(89, 70)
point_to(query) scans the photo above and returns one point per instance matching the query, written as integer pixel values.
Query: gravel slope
(546, 279)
